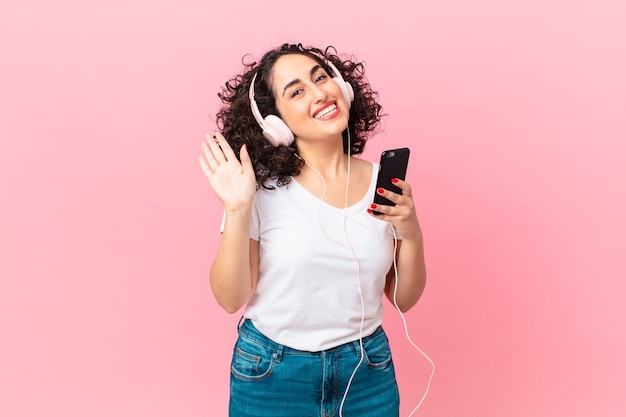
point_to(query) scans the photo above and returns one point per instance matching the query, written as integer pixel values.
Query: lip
(324, 107)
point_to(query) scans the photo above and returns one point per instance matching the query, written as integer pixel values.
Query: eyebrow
(297, 80)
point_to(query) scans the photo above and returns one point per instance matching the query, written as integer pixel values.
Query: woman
(300, 246)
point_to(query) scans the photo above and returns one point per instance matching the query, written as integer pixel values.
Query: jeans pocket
(377, 352)
(252, 361)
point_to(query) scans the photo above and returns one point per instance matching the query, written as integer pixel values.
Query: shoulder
(363, 170)
(361, 166)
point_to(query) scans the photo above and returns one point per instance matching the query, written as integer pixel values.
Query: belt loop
(279, 352)
(357, 347)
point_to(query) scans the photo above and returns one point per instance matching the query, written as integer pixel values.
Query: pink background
(515, 112)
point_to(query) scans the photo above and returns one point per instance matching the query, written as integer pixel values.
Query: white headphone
(274, 129)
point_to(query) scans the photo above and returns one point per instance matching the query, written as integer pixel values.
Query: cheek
(293, 113)
(343, 105)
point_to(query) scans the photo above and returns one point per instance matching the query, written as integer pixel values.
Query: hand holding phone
(393, 164)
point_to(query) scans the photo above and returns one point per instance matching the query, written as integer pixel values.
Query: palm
(233, 181)
(233, 184)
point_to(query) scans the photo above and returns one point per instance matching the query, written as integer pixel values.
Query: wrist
(239, 213)
(413, 236)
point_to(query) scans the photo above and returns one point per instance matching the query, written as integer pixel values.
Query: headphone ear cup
(276, 131)
(346, 89)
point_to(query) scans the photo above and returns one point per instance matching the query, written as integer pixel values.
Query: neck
(330, 160)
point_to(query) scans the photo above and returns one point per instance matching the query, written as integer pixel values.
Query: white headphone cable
(356, 260)
(395, 292)
(358, 278)
(406, 329)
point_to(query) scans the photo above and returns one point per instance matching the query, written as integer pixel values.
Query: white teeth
(326, 111)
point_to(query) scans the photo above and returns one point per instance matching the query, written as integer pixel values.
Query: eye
(320, 77)
(296, 92)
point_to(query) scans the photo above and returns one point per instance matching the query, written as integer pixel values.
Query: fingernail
(369, 211)
(394, 180)
(373, 206)
(380, 191)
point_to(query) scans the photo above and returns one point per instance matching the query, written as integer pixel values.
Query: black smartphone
(393, 164)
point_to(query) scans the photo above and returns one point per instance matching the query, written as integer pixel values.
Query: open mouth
(326, 112)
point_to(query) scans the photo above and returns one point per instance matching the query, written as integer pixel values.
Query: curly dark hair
(237, 123)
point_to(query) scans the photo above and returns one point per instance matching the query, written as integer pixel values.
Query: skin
(301, 89)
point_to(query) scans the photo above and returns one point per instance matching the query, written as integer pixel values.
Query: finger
(225, 146)
(389, 195)
(385, 213)
(396, 197)
(205, 167)
(379, 211)
(403, 185)
(217, 152)
(209, 158)
(246, 162)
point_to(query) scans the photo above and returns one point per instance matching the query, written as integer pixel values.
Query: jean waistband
(247, 329)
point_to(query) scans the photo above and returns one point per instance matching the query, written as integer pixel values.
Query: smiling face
(309, 101)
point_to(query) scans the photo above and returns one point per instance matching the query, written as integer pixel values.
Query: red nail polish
(380, 191)
(373, 206)
(369, 211)
(394, 180)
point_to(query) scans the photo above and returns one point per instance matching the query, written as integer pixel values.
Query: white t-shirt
(307, 296)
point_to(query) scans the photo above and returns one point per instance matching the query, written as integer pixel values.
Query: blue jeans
(272, 380)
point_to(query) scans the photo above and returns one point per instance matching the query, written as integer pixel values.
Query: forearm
(231, 277)
(411, 268)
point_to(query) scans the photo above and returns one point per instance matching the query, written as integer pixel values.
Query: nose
(318, 94)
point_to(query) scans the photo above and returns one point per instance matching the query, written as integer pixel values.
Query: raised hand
(232, 181)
